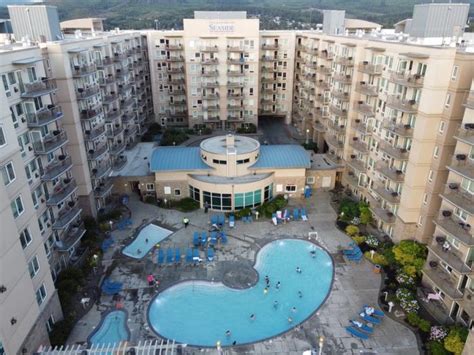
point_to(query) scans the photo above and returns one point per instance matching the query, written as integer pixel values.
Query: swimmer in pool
(293, 309)
(146, 240)
(300, 294)
(252, 316)
(278, 285)
(139, 251)
(275, 304)
(298, 270)
(228, 333)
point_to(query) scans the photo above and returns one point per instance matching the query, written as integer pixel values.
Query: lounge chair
(279, 216)
(249, 219)
(231, 221)
(369, 319)
(161, 256)
(357, 333)
(214, 219)
(304, 216)
(203, 238)
(274, 219)
(169, 255)
(110, 287)
(220, 220)
(213, 240)
(362, 326)
(196, 258)
(210, 254)
(223, 237)
(189, 255)
(353, 251)
(355, 255)
(377, 312)
(296, 214)
(196, 240)
(177, 255)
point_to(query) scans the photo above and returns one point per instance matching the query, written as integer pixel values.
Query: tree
(348, 210)
(352, 230)
(365, 214)
(411, 255)
(455, 340)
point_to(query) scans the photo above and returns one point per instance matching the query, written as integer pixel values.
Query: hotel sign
(221, 27)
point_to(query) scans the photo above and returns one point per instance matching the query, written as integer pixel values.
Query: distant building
(85, 25)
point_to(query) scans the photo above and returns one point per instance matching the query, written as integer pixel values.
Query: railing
(71, 238)
(399, 153)
(85, 93)
(94, 133)
(112, 115)
(100, 170)
(81, 70)
(343, 78)
(50, 142)
(391, 173)
(458, 196)
(347, 61)
(66, 216)
(44, 116)
(210, 49)
(61, 193)
(366, 89)
(405, 105)
(390, 196)
(364, 108)
(56, 168)
(103, 189)
(373, 69)
(39, 88)
(400, 129)
(465, 133)
(338, 111)
(406, 78)
(213, 61)
(96, 153)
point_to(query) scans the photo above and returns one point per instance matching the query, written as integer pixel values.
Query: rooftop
(138, 161)
(177, 159)
(284, 156)
(222, 145)
(319, 162)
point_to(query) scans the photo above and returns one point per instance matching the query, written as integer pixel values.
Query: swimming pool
(112, 329)
(200, 313)
(146, 239)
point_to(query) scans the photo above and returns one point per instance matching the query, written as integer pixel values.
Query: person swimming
(313, 253)
(278, 284)
(290, 320)
(298, 270)
(252, 316)
(293, 309)
(300, 294)
(228, 333)
(275, 304)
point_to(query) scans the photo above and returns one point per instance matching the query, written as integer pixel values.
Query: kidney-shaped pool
(202, 313)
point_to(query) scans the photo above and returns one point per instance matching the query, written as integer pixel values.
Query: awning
(26, 61)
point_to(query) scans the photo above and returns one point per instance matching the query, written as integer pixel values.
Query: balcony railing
(66, 216)
(391, 173)
(347, 61)
(465, 133)
(400, 129)
(235, 49)
(322, 85)
(56, 168)
(269, 46)
(235, 84)
(381, 213)
(210, 84)
(372, 69)
(39, 88)
(103, 189)
(43, 117)
(174, 47)
(267, 58)
(390, 196)
(352, 180)
(364, 109)
(86, 93)
(71, 238)
(407, 79)
(338, 111)
(334, 142)
(112, 115)
(115, 131)
(210, 49)
(451, 257)
(104, 63)
(366, 89)
(94, 133)
(443, 281)
(362, 127)
(101, 170)
(395, 152)
(50, 143)
(456, 228)
(174, 59)
(341, 95)
(61, 193)
(210, 73)
(459, 197)
(319, 127)
(94, 154)
(211, 96)
(343, 78)
(360, 146)
(117, 149)
(212, 61)
(404, 105)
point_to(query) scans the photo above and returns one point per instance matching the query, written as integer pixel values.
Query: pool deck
(354, 284)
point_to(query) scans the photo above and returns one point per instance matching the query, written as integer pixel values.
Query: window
(467, 185)
(17, 207)
(268, 192)
(454, 73)
(310, 180)
(218, 201)
(194, 193)
(248, 199)
(420, 221)
(50, 323)
(33, 266)
(8, 173)
(442, 126)
(177, 192)
(243, 161)
(453, 241)
(425, 198)
(3, 141)
(40, 294)
(290, 188)
(447, 101)
(220, 162)
(461, 214)
(430, 175)
(25, 238)
(436, 152)
(150, 187)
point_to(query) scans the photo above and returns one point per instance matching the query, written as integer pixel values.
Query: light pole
(321, 343)
(307, 136)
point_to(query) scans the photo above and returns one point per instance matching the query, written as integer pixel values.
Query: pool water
(112, 329)
(140, 246)
(200, 313)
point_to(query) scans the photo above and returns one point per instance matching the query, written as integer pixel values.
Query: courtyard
(354, 284)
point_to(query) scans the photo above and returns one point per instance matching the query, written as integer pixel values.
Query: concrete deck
(354, 285)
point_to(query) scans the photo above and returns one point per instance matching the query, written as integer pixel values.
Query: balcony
(341, 95)
(87, 93)
(269, 46)
(43, 117)
(128, 117)
(381, 213)
(347, 61)
(372, 69)
(269, 69)
(322, 99)
(407, 79)
(235, 107)
(178, 81)
(119, 57)
(71, 238)
(211, 107)
(235, 73)
(50, 142)
(236, 49)
(235, 95)
(61, 193)
(334, 158)
(443, 281)
(357, 164)
(459, 197)
(319, 127)
(103, 189)
(95, 154)
(101, 64)
(210, 73)
(451, 257)
(465, 133)
(177, 92)
(211, 61)
(119, 163)
(404, 105)
(267, 58)
(392, 197)
(470, 100)
(56, 168)
(326, 55)
(364, 109)
(267, 101)
(101, 171)
(352, 180)
(123, 87)
(401, 130)
(456, 228)
(174, 59)
(360, 146)
(175, 70)
(337, 127)
(178, 103)
(94, 133)
(174, 47)
(235, 61)
(210, 49)
(390, 172)
(66, 216)
(83, 70)
(366, 89)
(117, 149)
(343, 78)
(332, 141)
(109, 99)
(210, 96)
(395, 152)
(39, 88)
(325, 70)
(210, 84)
(126, 103)
(323, 85)
(112, 115)
(462, 165)
(320, 114)
(235, 84)
(338, 111)
(233, 118)
(115, 131)
(362, 127)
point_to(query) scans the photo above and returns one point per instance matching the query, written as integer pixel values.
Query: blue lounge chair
(244, 219)
(110, 287)
(161, 256)
(223, 237)
(213, 240)
(296, 214)
(356, 255)
(189, 255)
(357, 333)
(203, 238)
(169, 255)
(304, 216)
(214, 219)
(369, 319)
(377, 312)
(210, 254)
(231, 221)
(249, 219)
(196, 240)
(364, 327)
(353, 251)
(356, 258)
(220, 220)
(196, 257)
(177, 256)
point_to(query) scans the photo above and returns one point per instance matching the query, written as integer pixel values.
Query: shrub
(243, 212)
(413, 319)
(405, 280)
(249, 128)
(173, 136)
(438, 332)
(341, 224)
(411, 255)
(311, 146)
(455, 339)
(348, 209)
(424, 325)
(187, 204)
(268, 208)
(377, 259)
(358, 239)
(372, 241)
(437, 348)
(150, 199)
(407, 300)
(364, 213)
(352, 230)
